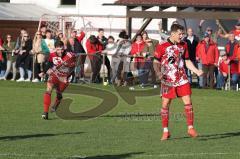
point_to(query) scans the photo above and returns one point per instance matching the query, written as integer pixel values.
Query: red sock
(165, 117)
(46, 101)
(189, 114)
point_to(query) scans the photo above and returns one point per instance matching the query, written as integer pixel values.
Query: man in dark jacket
(104, 41)
(74, 45)
(192, 42)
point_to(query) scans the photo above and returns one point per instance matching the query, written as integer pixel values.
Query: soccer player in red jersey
(61, 65)
(170, 58)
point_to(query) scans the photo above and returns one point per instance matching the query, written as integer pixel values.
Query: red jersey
(171, 57)
(223, 67)
(237, 34)
(63, 66)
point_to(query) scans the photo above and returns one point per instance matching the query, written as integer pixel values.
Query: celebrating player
(170, 58)
(61, 65)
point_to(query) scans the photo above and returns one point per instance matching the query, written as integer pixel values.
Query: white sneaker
(28, 80)
(155, 86)
(20, 80)
(131, 88)
(3, 78)
(35, 80)
(12, 79)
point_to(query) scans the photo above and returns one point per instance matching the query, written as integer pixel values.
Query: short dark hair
(93, 39)
(100, 29)
(48, 31)
(145, 32)
(139, 35)
(43, 26)
(23, 29)
(122, 34)
(176, 27)
(58, 43)
(111, 37)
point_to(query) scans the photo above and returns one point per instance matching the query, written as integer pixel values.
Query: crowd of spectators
(124, 60)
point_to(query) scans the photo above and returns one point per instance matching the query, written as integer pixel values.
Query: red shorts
(173, 92)
(59, 85)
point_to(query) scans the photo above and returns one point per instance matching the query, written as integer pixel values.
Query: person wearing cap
(213, 35)
(223, 70)
(208, 54)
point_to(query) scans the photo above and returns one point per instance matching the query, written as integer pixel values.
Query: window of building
(4, 0)
(68, 2)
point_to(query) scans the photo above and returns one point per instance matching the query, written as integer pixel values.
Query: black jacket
(77, 48)
(192, 47)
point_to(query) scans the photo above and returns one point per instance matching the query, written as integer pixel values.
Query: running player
(61, 65)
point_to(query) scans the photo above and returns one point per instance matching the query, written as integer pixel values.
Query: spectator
(235, 31)
(111, 50)
(231, 50)
(207, 52)
(80, 50)
(192, 42)
(102, 38)
(2, 60)
(61, 37)
(223, 70)
(43, 30)
(9, 46)
(94, 49)
(24, 59)
(238, 58)
(150, 49)
(81, 36)
(20, 40)
(72, 47)
(39, 56)
(119, 52)
(104, 41)
(48, 43)
(212, 35)
(139, 54)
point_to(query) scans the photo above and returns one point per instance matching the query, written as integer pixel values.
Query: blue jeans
(220, 80)
(234, 80)
(200, 79)
(143, 71)
(143, 75)
(189, 72)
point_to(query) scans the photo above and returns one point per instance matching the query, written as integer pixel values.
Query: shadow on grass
(211, 136)
(22, 137)
(218, 136)
(119, 156)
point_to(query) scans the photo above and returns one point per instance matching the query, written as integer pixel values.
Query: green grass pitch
(125, 132)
